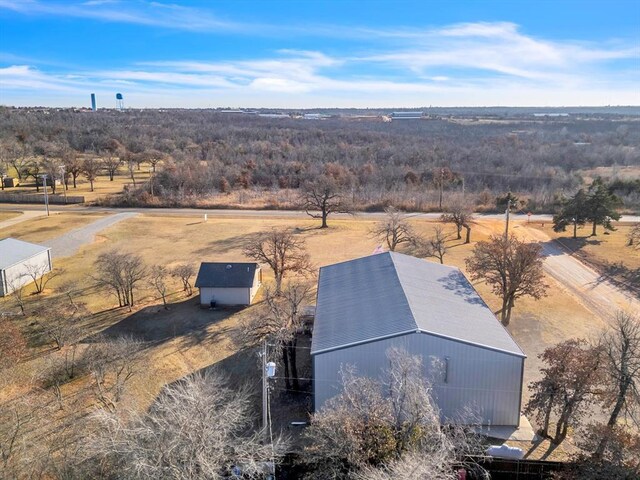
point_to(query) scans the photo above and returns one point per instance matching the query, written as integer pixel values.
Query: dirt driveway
(582, 282)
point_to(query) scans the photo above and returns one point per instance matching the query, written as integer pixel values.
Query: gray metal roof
(391, 294)
(226, 275)
(14, 251)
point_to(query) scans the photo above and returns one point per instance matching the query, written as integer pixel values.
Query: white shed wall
(18, 274)
(225, 296)
(488, 381)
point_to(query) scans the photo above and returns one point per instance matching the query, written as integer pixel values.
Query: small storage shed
(367, 305)
(228, 283)
(17, 260)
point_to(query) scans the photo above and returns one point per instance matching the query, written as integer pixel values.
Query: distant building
(406, 115)
(550, 114)
(367, 305)
(313, 116)
(18, 260)
(228, 283)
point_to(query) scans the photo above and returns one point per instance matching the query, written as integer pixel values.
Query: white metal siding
(257, 281)
(17, 275)
(487, 381)
(225, 296)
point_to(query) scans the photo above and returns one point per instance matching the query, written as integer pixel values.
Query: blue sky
(306, 54)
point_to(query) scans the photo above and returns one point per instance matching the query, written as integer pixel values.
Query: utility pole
(506, 230)
(265, 385)
(46, 195)
(64, 183)
(441, 187)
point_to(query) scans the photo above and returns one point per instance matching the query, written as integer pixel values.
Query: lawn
(186, 338)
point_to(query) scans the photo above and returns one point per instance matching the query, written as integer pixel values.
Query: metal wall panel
(487, 381)
(17, 275)
(225, 296)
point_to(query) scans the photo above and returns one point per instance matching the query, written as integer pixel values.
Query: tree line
(207, 153)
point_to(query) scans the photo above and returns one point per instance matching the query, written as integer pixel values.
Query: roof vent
(229, 267)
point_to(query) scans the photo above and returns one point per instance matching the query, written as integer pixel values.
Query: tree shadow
(550, 450)
(622, 277)
(154, 324)
(575, 244)
(457, 283)
(228, 244)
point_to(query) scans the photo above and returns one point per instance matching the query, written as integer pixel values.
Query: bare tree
(158, 278)
(372, 425)
(394, 230)
(91, 168)
(571, 376)
(17, 292)
(153, 157)
(197, 428)
(184, 272)
(461, 215)
(443, 177)
(621, 346)
(634, 236)
(73, 166)
(41, 275)
(131, 166)
(12, 342)
(120, 273)
(283, 251)
(111, 162)
(512, 268)
(59, 321)
(323, 195)
(51, 166)
(112, 364)
(435, 246)
(279, 321)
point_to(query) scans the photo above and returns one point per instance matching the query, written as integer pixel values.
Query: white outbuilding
(20, 262)
(367, 305)
(228, 283)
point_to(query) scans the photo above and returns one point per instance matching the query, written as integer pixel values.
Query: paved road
(212, 213)
(69, 243)
(582, 282)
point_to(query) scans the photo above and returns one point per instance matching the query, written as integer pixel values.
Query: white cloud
(461, 64)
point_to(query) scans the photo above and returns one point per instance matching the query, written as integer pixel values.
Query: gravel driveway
(585, 284)
(69, 243)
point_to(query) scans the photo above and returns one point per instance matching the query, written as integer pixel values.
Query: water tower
(93, 102)
(119, 101)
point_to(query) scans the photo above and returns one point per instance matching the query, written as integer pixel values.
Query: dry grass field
(608, 253)
(8, 215)
(186, 338)
(44, 228)
(604, 248)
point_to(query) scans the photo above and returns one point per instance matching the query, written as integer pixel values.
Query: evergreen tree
(573, 212)
(601, 206)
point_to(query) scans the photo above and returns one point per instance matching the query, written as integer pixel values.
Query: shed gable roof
(13, 251)
(226, 275)
(391, 294)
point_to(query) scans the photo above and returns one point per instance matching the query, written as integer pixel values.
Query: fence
(34, 198)
(508, 469)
